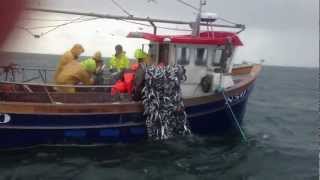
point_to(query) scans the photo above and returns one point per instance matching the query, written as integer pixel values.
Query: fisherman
(128, 80)
(119, 61)
(141, 56)
(68, 57)
(125, 84)
(75, 73)
(97, 57)
(138, 83)
(98, 74)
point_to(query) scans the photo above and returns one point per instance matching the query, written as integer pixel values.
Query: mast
(196, 26)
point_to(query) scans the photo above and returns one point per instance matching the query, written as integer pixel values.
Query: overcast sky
(283, 32)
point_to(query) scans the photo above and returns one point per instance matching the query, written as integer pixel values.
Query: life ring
(206, 83)
(4, 118)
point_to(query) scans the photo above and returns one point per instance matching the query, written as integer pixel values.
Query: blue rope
(235, 118)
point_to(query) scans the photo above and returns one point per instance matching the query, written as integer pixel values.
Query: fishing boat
(215, 92)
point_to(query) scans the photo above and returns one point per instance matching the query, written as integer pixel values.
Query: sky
(282, 32)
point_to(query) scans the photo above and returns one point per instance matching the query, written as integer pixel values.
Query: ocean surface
(280, 122)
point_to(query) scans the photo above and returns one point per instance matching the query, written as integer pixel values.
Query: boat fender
(206, 83)
(4, 118)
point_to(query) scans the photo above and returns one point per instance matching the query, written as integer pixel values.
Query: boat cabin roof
(205, 38)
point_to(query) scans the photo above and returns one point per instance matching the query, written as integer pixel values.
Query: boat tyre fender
(4, 118)
(206, 83)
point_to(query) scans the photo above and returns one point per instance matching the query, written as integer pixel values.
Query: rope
(73, 21)
(160, 27)
(54, 26)
(187, 4)
(76, 20)
(121, 8)
(235, 118)
(26, 29)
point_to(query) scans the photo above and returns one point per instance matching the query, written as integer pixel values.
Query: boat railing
(50, 93)
(16, 73)
(57, 85)
(34, 84)
(37, 74)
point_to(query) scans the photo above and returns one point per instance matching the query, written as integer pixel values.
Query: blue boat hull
(27, 129)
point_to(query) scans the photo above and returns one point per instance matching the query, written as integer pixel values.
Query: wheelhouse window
(201, 57)
(152, 51)
(183, 55)
(164, 54)
(216, 58)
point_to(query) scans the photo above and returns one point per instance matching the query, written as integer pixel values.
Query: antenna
(202, 3)
(196, 25)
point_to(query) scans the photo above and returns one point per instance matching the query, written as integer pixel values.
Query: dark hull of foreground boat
(28, 124)
(27, 130)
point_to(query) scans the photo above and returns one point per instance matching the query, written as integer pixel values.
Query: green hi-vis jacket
(121, 62)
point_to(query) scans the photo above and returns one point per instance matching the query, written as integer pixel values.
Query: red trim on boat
(208, 38)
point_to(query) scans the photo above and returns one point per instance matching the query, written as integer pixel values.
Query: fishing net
(162, 100)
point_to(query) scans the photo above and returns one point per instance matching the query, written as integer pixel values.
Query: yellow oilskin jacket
(68, 57)
(121, 62)
(147, 60)
(73, 73)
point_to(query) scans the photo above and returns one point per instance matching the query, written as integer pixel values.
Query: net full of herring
(162, 99)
